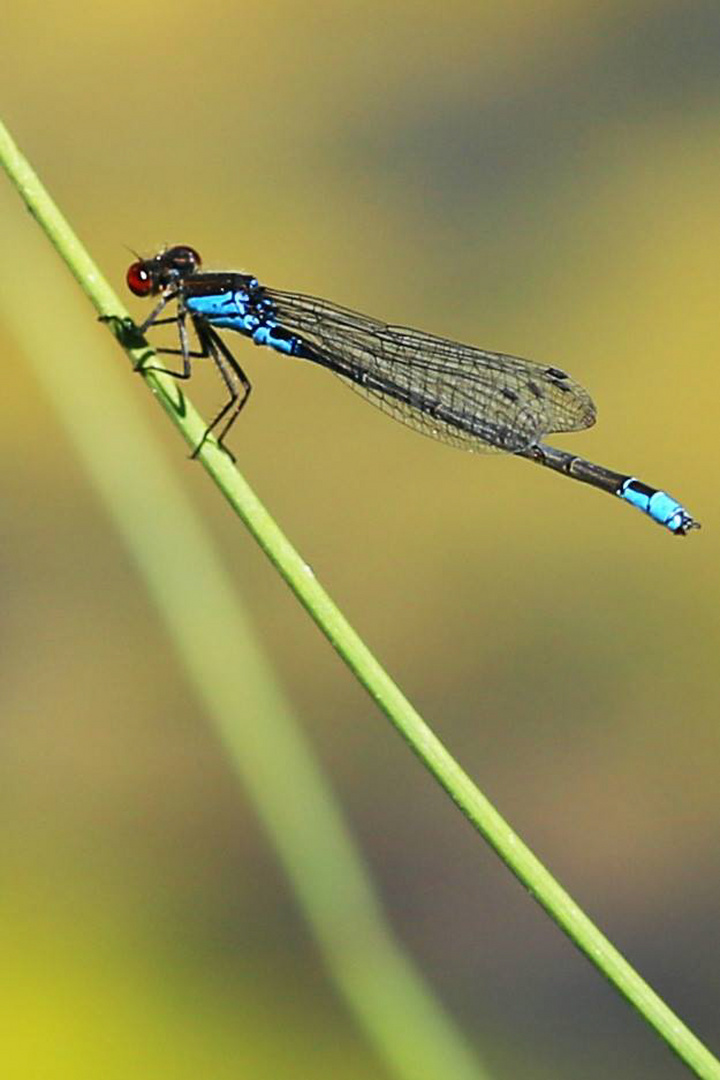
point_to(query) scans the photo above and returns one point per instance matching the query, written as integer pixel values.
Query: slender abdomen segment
(658, 505)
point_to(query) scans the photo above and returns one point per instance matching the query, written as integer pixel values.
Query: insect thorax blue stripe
(238, 310)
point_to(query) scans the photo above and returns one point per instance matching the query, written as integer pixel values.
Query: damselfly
(459, 394)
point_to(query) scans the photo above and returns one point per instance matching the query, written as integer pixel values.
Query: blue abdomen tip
(658, 505)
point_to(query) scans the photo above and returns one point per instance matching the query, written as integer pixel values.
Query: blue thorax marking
(237, 310)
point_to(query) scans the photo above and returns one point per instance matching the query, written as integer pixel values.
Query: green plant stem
(232, 677)
(478, 810)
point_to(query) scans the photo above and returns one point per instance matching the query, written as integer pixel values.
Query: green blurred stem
(478, 810)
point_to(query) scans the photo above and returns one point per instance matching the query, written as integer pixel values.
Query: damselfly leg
(211, 346)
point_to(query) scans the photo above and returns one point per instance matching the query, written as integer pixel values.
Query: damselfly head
(166, 270)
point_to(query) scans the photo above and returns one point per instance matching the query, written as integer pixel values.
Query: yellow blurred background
(539, 178)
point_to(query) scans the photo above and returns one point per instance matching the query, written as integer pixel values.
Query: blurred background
(539, 178)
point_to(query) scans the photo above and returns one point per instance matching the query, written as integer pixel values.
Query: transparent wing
(459, 394)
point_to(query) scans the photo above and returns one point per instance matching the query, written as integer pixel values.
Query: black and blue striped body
(658, 505)
(460, 394)
(237, 302)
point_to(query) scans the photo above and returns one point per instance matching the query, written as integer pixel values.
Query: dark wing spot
(509, 394)
(556, 373)
(534, 388)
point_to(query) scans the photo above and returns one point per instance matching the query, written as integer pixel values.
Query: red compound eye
(139, 279)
